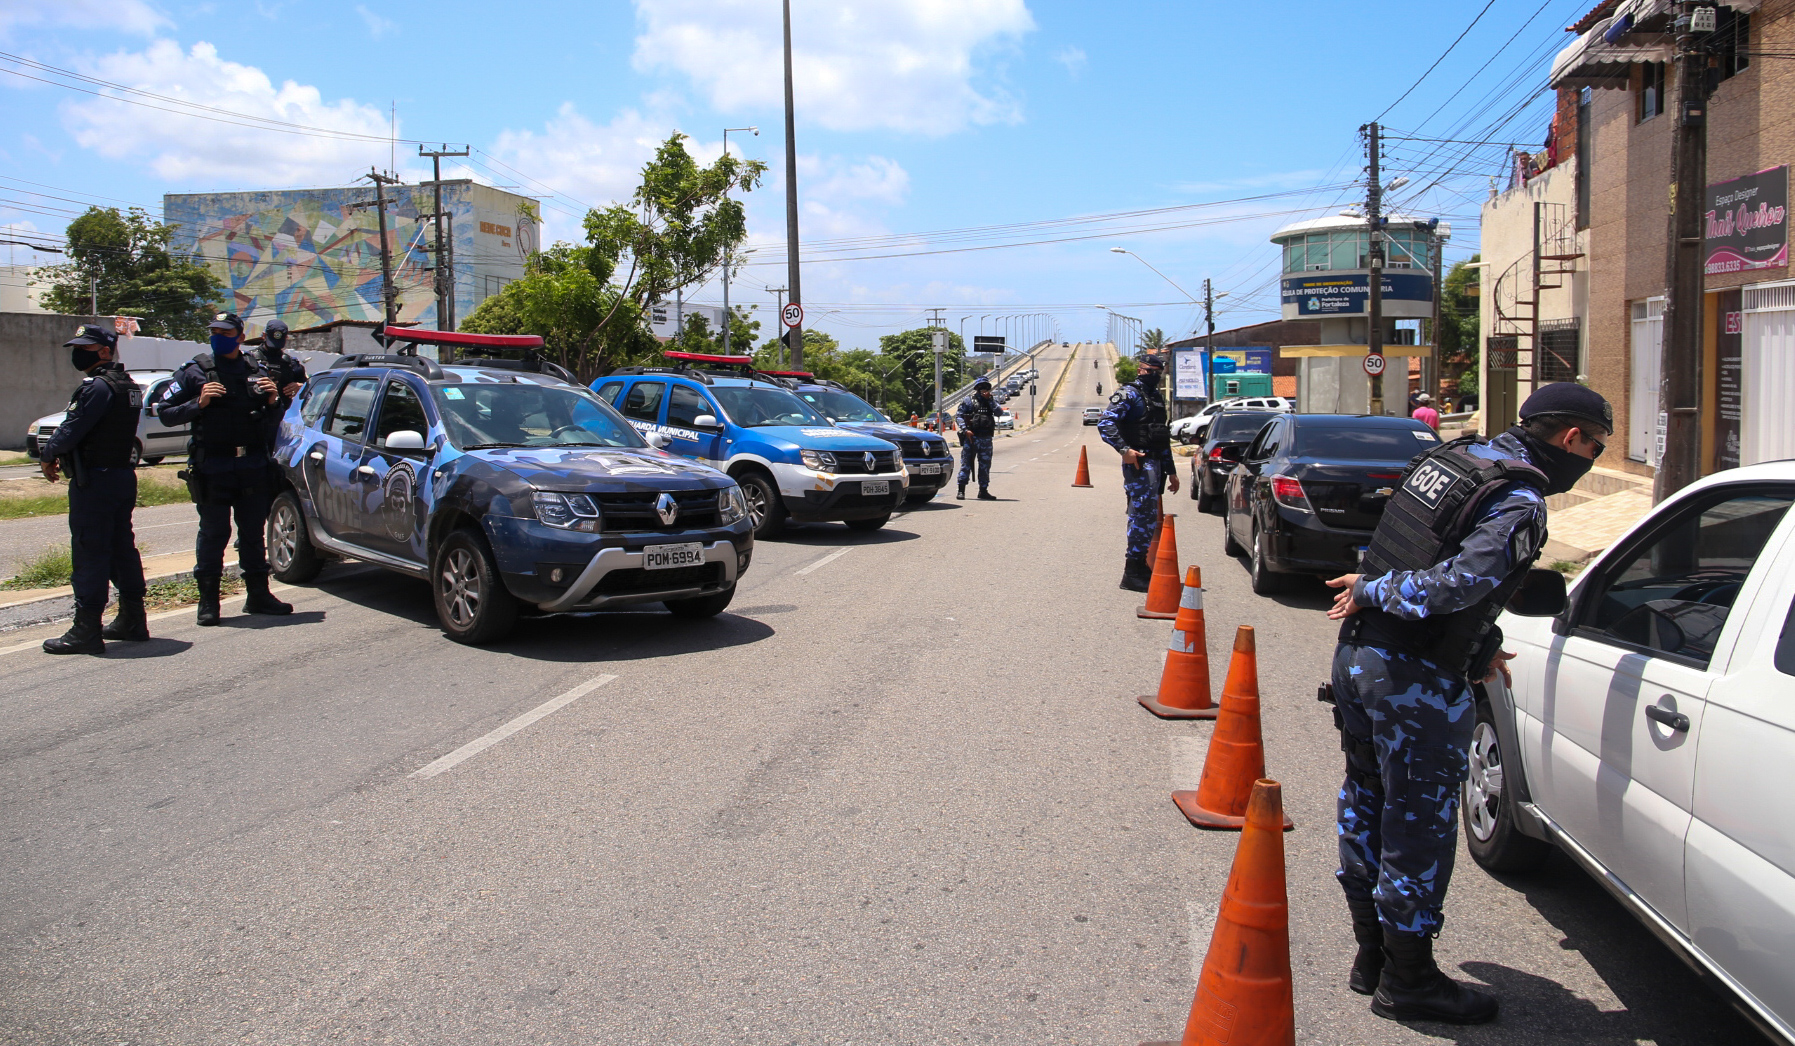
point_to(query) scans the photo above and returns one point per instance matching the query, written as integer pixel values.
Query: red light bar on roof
(471, 341)
(788, 373)
(704, 357)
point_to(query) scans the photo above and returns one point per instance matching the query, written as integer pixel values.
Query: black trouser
(246, 493)
(101, 541)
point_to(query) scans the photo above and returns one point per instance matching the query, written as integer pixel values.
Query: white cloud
(1073, 58)
(130, 16)
(907, 65)
(377, 26)
(182, 148)
(588, 164)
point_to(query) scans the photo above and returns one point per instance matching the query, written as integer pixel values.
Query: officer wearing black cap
(226, 395)
(1136, 424)
(287, 373)
(978, 428)
(1418, 627)
(95, 443)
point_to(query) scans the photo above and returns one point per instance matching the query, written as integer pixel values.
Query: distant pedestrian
(1137, 425)
(96, 442)
(1424, 412)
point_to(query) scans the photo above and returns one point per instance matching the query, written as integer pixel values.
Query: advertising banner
(1244, 360)
(1745, 223)
(1187, 374)
(664, 318)
(1349, 293)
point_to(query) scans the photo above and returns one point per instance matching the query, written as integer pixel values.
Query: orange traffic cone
(1244, 995)
(1083, 478)
(1184, 685)
(1236, 752)
(1163, 591)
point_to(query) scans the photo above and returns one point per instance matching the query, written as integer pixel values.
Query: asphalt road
(900, 793)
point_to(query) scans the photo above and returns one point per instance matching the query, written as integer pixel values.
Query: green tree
(911, 358)
(1459, 323)
(171, 295)
(589, 306)
(1153, 341)
(1126, 369)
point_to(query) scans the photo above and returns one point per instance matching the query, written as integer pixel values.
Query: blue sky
(915, 117)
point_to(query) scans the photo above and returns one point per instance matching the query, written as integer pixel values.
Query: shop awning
(1637, 31)
(1296, 351)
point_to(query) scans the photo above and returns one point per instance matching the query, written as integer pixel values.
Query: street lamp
(727, 316)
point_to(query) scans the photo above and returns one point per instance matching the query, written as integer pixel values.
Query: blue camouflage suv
(926, 456)
(791, 462)
(504, 484)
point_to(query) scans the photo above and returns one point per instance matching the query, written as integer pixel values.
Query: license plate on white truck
(668, 557)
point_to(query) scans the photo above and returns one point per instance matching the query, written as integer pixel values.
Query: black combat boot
(208, 597)
(1413, 988)
(960, 494)
(1368, 965)
(130, 624)
(83, 637)
(1137, 576)
(986, 495)
(260, 600)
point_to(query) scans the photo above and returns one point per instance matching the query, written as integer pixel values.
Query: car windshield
(756, 406)
(1237, 428)
(842, 406)
(525, 414)
(1361, 442)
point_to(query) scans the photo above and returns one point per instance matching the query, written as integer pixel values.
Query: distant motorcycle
(1100, 388)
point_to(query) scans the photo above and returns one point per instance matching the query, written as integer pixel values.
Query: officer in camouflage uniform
(1136, 424)
(978, 427)
(1418, 626)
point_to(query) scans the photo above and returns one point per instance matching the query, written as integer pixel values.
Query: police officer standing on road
(1136, 424)
(95, 443)
(225, 395)
(1454, 544)
(978, 427)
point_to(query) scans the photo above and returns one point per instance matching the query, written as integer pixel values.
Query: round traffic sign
(792, 314)
(1374, 364)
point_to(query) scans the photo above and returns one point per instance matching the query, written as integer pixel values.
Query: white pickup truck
(1650, 735)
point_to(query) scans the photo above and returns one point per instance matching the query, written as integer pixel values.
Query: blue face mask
(224, 344)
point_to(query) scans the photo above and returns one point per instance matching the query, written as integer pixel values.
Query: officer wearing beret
(227, 395)
(1137, 425)
(95, 445)
(1418, 627)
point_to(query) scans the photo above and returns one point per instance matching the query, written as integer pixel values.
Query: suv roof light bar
(460, 339)
(422, 364)
(531, 364)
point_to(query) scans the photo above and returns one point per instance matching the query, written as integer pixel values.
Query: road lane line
(826, 560)
(481, 744)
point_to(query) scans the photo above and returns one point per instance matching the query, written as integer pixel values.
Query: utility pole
(791, 201)
(1374, 200)
(1680, 391)
(779, 292)
(1209, 341)
(381, 181)
(93, 296)
(445, 248)
(1430, 363)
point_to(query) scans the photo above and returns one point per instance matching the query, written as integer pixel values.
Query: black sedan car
(1228, 433)
(1310, 489)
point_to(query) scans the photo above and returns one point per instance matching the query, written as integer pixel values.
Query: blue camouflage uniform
(975, 446)
(1398, 834)
(1143, 483)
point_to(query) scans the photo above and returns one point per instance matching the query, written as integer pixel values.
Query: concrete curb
(61, 605)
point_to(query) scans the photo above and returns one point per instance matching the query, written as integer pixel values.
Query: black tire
(1230, 547)
(765, 509)
(922, 497)
(136, 453)
(292, 558)
(1491, 835)
(157, 460)
(868, 524)
(1265, 582)
(472, 603)
(701, 606)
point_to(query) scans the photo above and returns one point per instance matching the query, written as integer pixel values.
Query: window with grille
(1559, 341)
(1651, 90)
(1503, 352)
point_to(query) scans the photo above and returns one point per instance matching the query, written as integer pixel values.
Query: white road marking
(156, 526)
(478, 745)
(826, 560)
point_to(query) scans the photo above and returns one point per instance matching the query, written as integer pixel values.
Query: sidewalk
(1591, 516)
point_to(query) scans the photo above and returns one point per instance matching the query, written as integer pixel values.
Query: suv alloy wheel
(472, 602)
(765, 510)
(1490, 833)
(292, 557)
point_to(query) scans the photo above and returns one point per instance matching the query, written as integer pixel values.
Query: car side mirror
(150, 409)
(659, 440)
(706, 421)
(405, 439)
(1542, 594)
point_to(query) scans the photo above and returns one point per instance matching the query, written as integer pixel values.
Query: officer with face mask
(94, 444)
(1418, 627)
(226, 396)
(1137, 425)
(287, 373)
(978, 428)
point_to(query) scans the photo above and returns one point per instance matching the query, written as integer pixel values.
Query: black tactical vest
(981, 421)
(1152, 431)
(109, 444)
(1424, 524)
(282, 368)
(235, 418)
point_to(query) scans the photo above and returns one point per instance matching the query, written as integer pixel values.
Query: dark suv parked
(505, 484)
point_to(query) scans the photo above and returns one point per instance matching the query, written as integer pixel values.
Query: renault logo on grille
(872, 463)
(666, 508)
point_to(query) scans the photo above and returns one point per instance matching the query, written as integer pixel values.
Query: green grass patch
(52, 567)
(16, 459)
(180, 592)
(1567, 568)
(57, 504)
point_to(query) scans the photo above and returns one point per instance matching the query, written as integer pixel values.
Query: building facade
(312, 256)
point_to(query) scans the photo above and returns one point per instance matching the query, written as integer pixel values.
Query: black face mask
(274, 343)
(1562, 468)
(83, 357)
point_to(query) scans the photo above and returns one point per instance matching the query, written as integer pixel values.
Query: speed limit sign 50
(1374, 364)
(792, 314)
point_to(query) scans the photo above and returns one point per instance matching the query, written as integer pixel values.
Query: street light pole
(796, 333)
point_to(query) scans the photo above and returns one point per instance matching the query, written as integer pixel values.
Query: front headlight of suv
(818, 460)
(568, 511)
(731, 505)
